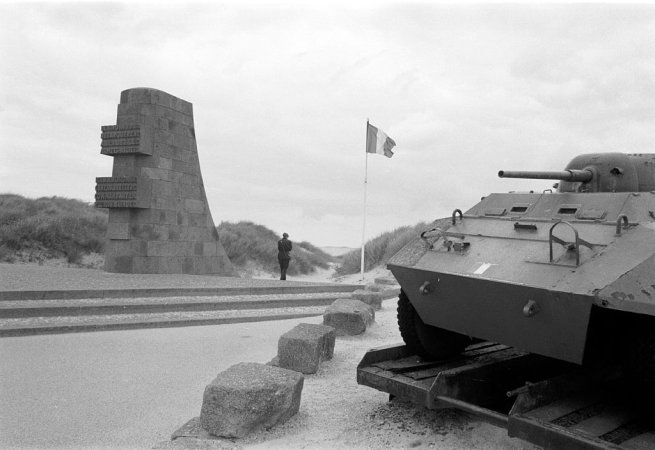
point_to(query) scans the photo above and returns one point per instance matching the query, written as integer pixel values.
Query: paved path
(118, 389)
(25, 277)
(42, 299)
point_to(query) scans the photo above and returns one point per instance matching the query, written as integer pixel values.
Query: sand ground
(337, 413)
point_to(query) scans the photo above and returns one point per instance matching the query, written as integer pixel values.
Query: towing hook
(530, 309)
(425, 288)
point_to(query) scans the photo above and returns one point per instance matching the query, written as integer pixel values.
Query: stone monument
(159, 219)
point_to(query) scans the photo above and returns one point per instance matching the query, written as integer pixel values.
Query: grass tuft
(379, 249)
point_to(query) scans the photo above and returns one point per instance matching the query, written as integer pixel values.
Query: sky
(282, 91)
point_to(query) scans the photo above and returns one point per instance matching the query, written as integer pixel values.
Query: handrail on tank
(461, 217)
(577, 241)
(618, 223)
(431, 246)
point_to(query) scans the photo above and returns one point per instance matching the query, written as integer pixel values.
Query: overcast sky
(281, 94)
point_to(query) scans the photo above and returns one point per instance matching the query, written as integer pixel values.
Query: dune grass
(33, 230)
(50, 227)
(380, 249)
(247, 243)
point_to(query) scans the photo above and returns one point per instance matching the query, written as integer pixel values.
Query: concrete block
(164, 150)
(167, 217)
(348, 316)
(164, 137)
(119, 264)
(161, 124)
(115, 248)
(195, 207)
(171, 114)
(182, 155)
(146, 232)
(209, 249)
(188, 266)
(125, 166)
(372, 287)
(181, 166)
(250, 396)
(391, 292)
(118, 230)
(162, 188)
(386, 280)
(304, 347)
(191, 191)
(155, 174)
(119, 215)
(174, 233)
(370, 298)
(174, 264)
(183, 142)
(142, 216)
(146, 264)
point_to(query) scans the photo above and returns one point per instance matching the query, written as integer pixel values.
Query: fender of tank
(566, 274)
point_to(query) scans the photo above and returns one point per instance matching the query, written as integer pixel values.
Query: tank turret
(567, 274)
(600, 172)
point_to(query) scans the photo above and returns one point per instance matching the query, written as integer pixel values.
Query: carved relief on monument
(159, 219)
(126, 139)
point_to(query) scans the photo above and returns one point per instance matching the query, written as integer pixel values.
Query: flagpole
(365, 183)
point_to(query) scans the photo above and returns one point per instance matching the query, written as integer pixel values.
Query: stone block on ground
(386, 280)
(373, 287)
(370, 298)
(390, 292)
(250, 396)
(304, 347)
(348, 316)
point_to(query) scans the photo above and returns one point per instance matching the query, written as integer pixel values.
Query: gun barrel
(564, 175)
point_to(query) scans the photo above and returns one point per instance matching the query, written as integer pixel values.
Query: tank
(568, 273)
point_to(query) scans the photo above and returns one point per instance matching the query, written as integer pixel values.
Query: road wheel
(425, 340)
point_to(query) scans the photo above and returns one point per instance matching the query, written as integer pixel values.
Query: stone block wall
(159, 219)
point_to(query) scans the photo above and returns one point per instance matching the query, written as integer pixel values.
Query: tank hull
(527, 270)
(496, 311)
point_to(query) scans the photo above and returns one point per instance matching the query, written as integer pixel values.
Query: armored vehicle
(566, 273)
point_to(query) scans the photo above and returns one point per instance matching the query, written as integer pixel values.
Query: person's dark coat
(284, 247)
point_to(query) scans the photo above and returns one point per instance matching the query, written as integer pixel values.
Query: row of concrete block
(250, 396)
(304, 347)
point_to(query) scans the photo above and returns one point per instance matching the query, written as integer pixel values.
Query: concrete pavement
(118, 389)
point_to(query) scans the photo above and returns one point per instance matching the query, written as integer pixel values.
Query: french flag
(378, 142)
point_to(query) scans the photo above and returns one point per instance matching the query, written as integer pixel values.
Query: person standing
(284, 248)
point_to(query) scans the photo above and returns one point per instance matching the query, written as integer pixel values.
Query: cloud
(281, 95)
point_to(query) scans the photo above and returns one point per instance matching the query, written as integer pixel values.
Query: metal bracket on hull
(569, 245)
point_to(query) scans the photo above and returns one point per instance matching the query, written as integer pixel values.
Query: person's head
(285, 235)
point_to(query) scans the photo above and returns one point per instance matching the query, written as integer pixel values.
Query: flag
(378, 142)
